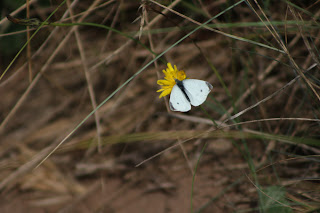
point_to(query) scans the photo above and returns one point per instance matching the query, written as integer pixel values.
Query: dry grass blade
(265, 99)
(88, 78)
(279, 40)
(38, 76)
(217, 31)
(129, 42)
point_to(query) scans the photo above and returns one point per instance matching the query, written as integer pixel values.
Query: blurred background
(82, 127)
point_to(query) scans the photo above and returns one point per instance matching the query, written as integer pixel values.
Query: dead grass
(268, 142)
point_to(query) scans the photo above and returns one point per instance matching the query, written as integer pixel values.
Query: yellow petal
(171, 75)
(163, 82)
(170, 67)
(165, 93)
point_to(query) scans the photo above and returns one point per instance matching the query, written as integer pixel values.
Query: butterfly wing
(197, 90)
(178, 101)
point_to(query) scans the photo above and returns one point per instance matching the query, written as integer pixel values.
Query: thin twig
(88, 78)
(29, 45)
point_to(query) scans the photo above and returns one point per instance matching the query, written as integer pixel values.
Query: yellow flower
(171, 75)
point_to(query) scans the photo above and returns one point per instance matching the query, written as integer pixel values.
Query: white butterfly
(188, 92)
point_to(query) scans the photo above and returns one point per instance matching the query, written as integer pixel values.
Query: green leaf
(273, 200)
